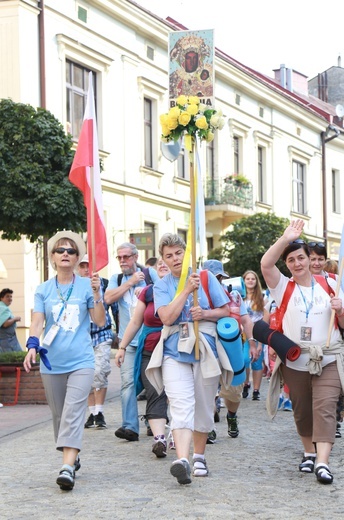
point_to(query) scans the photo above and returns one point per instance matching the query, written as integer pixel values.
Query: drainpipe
(43, 100)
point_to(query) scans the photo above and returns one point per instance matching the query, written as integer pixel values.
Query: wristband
(98, 301)
(251, 339)
(122, 348)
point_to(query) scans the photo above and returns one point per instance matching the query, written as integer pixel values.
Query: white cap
(84, 260)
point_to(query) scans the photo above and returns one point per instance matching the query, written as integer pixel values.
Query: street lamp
(325, 138)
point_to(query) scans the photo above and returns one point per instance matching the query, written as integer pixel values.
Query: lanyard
(310, 304)
(64, 300)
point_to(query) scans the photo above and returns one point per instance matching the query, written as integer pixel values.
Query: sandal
(323, 474)
(307, 464)
(200, 468)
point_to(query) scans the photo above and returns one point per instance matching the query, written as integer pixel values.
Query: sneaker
(181, 470)
(99, 420)
(171, 445)
(287, 406)
(233, 430)
(256, 395)
(159, 447)
(90, 421)
(66, 478)
(246, 390)
(200, 468)
(128, 435)
(211, 437)
(77, 464)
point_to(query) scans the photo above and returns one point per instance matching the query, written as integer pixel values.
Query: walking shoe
(128, 435)
(77, 464)
(200, 468)
(99, 420)
(280, 402)
(90, 421)
(246, 390)
(211, 437)
(66, 478)
(171, 445)
(181, 470)
(287, 407)
(323, 474)
(307, 464)
(338, 433)
(159, 447)
(256, 395)
(233, 430)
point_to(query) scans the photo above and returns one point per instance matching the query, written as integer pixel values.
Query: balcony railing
(229, 192)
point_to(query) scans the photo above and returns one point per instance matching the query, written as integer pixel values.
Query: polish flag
(85, 174)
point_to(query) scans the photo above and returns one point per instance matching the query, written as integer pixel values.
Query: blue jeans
(130, 418)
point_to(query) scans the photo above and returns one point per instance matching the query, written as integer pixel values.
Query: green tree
(37, 198)
(248, 240)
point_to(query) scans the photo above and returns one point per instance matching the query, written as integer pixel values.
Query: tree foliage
(37, 198)
(248, 240)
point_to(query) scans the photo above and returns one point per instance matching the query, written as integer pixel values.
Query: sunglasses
(316, 244)
(69, 250)
(124, 257)
(298, 241)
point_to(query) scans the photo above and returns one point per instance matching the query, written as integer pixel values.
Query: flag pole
(93, 234)
(340, 274)
(193, 234)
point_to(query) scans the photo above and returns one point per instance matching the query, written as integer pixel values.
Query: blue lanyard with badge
(51, 335)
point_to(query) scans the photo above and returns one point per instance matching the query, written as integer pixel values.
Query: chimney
(339, 61)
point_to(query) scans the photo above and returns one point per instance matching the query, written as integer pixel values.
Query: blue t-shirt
(164, 292)
(72, 348)
(127, 302)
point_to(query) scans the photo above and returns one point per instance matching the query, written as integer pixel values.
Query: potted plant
(237, 179)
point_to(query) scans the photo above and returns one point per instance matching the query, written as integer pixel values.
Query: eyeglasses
(316, 244)
(68, 250)
(124, 258)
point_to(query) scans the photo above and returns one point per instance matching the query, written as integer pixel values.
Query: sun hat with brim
(68, 235)
(215, 267)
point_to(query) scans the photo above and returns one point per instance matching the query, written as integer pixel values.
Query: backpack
(145, 271)
(205, 285)
(277, 317)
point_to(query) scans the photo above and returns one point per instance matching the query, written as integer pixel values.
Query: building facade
(268, 157)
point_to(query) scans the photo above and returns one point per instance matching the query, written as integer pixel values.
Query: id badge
(49, 338)
(184, 330)
(306, 334)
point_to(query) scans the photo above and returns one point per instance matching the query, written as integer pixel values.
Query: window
(299, 191)
(182, 233)
(236, 146)
(183, 164)
(335, 190)
(76, 95)
(148, 137)
(261, 174)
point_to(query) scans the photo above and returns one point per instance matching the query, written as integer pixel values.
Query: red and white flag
(85, 174)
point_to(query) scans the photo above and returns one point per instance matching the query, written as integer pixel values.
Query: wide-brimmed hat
(68, 235)
(215, 267)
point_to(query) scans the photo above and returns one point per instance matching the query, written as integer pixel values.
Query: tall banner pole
(93, 233)
(193, 234)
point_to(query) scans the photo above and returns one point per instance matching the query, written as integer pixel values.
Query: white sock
(310, 454)
(98, 408)
(198, 456)
(92, 409)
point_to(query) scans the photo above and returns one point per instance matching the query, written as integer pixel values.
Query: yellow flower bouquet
(191, 117)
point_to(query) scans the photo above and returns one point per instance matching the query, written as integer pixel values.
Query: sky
(263, 34)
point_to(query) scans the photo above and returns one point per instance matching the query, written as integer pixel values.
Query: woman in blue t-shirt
(63, 307)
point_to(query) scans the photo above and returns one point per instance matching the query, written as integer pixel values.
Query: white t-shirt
(307, 330)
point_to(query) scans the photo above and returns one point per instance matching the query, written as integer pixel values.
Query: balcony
(230, 192)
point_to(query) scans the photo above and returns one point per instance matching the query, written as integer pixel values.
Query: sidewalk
(254, 476)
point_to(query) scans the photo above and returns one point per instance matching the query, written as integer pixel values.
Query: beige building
(272, 135)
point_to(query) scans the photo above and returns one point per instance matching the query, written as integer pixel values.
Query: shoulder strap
(324, 284)
(204, 281)
(105, 283)
(146, 272)
(119, 279)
